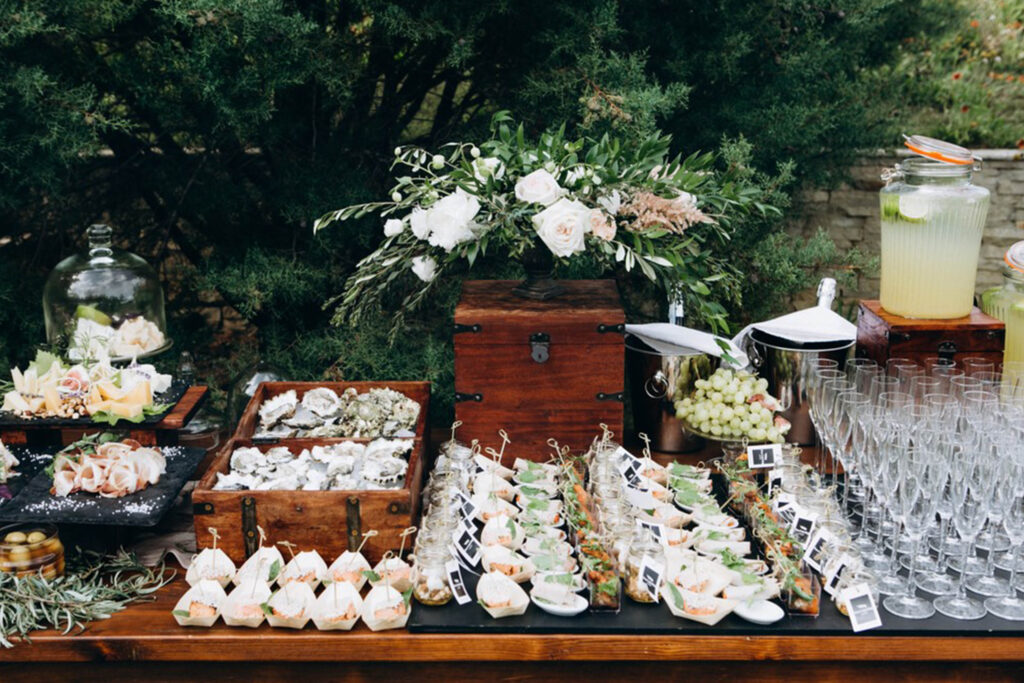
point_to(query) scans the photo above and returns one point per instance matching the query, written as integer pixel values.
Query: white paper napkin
(815, 324)
(675, 340)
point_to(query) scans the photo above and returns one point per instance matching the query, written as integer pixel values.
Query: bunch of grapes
(733, 405)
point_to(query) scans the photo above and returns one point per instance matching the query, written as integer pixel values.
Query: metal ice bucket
(656, 380)
(785, 365)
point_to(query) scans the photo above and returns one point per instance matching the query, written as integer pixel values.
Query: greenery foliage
(211, 132)
(964, 83)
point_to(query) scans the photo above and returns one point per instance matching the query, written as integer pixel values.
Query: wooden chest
(329, 522)
(538, 369)
(882, 335)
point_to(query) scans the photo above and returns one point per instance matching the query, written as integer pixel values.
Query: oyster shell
(276, 408)
(279, 455)
(322, 401)
(304, 418)
(278, 432)
(245, 460)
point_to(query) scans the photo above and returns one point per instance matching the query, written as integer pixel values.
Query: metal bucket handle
(658, 379)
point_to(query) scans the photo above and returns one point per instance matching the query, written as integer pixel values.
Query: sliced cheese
(125, 409)
(35, 405)
(53, 402)
(97, 406)
(14, 402)
(140, 393)
(109, 390)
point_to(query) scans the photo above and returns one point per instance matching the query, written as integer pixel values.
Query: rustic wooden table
(144, 641)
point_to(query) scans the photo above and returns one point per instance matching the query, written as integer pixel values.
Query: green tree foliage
(210, 133)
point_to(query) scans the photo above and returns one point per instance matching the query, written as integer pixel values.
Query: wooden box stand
(538, 369)
(329, 522)
(882, 335)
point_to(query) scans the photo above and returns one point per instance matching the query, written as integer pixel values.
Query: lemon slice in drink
(913, 208)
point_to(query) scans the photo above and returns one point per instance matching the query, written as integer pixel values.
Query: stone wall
(850, 212)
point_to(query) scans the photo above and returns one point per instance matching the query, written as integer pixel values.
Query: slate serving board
(30, 463)
(172, 396)
(35, 503)
(640, 618)
(656, 619)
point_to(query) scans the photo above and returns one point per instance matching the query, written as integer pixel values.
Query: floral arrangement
(618, 204)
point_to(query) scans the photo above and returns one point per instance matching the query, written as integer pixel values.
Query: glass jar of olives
(27, 549)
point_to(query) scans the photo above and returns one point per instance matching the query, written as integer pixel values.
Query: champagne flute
(1010, 606)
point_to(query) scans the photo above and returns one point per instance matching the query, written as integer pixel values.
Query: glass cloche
(105, 303)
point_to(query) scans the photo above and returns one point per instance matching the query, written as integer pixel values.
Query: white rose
(418, 223)
(484, 168)
(424, 267)
(393, 226)
(539, 187)
(562, 226)
(451, 220)
(610, 202)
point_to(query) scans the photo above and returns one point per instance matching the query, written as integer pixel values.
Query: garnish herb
(94, 587)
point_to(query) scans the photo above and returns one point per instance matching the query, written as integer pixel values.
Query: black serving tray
(638, 618)
(30, 463)
(172, 396)
(655, 619)
(35, 503)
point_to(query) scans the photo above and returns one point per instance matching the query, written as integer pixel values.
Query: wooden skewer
(290, 546)
(387, 576)
(216, 536)
(647, 444)
(405, 535)
(455, 425)
(366, 537)
(259, 571)
(504, 441)
(262, 533)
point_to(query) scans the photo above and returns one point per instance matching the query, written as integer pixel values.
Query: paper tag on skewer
(657, 530)
(467, 524)
(623, 456)
(802, 526)
(467, 506)
(456, 582)
(834, 572)
(814, 554)
(640, 499)
(764, 457)
(651, 572)
(774, 477)
(783, 500)
(861, 607)
(467, 545)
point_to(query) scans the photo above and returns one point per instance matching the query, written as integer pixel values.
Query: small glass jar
(932, 222)
(105, 302)
(429, 576)
(1007, 304)
(31, 549)
(643, 547)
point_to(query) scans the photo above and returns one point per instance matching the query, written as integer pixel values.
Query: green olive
(19, 554)
(36, 537)
(15, 537)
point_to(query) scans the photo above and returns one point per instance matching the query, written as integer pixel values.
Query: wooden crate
(417, 391)
(539, 369)
(882, 335)
(329, 522)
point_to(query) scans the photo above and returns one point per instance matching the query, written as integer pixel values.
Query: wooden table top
(148, 632)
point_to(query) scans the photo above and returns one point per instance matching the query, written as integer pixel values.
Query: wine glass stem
(894, 562)
(961, 585)
(990, 557)
(1015, 553)
(913, 566)
(940, 561)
